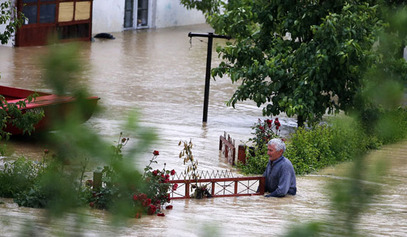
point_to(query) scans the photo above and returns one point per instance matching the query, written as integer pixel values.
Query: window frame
(38, 4)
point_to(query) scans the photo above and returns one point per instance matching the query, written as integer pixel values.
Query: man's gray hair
(278, 143)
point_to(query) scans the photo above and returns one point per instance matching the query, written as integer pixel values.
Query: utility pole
(210, 37)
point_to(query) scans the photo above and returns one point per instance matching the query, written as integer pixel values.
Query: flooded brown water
(160, 73)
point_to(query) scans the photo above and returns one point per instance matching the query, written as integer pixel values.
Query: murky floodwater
(160, 73)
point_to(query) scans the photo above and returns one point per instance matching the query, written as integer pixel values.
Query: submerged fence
(217, 184)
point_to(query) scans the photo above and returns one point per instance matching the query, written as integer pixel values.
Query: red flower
(124, 140)
(261, 128)
(174, 187)
(167, 176)
(158, 202)
(168, 207)
(277, 127)
(172, 172)
(142, 196)
(91, 204)
(276, 122)
(147, 202)
(156, 153)
(135, 197)
(269, 122)
(151, 209)
(155, 172)
(138, 215)
(160, 214)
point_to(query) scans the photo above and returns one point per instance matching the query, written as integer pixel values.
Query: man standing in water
(280, 175)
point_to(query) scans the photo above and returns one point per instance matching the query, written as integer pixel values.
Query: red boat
(51, 104)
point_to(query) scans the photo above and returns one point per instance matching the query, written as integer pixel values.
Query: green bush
(341, 140)
(325, 145)
(309, 150)
(55, 183)
(392, 126)
(256, 162)
(17, 176)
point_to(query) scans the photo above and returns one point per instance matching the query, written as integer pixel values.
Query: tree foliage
(9, 17)
(304, 58)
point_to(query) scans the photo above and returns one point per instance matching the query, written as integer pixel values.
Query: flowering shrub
(29, 184)
(264, 131)
(257, 158)
(157, 190)
(148, 198)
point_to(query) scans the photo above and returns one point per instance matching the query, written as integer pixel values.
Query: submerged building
(81, 19)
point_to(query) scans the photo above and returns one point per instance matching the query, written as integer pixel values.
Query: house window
(39, 11)
(30, 12)
(73, 19)
(74, 10)
(47, 13)
(128, 13)
(142, 13)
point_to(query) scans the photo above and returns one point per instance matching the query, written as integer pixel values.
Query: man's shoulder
(285, 160)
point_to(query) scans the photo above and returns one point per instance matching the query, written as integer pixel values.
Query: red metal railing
(221, 187)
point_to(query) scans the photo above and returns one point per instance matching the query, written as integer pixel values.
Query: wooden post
(241, 154)
(97, 181)
(229, 144)
(262, 185)
(187, 190)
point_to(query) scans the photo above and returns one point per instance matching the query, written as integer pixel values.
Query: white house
(117, 15)
(81, 19)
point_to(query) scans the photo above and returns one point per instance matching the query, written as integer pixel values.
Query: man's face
(273, 153)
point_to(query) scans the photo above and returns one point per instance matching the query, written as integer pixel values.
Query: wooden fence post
(241, 154)
(228, 143)
(97, 181)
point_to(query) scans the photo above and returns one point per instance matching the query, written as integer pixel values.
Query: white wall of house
(172, 13)
(108, 15)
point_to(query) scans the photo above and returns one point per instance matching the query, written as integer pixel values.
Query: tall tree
(304, 58)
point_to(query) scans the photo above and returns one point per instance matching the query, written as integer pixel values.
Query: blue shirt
(280, 178)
